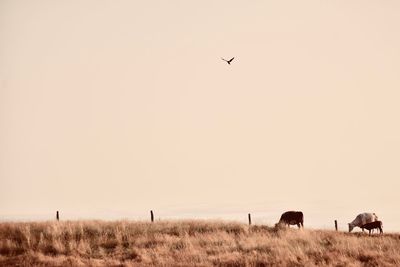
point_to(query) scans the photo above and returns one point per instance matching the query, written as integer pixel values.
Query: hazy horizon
(111, 109)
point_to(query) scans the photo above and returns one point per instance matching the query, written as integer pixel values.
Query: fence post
(151, 216)
(336, 225)
(57, 216)
(249, 219)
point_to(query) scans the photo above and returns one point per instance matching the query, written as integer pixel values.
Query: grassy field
(188, 243)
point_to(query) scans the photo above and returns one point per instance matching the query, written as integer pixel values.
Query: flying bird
(227, 61)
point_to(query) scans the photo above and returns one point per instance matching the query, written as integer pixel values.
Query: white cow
(362, 219)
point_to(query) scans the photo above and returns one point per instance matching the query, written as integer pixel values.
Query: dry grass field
(188, 243)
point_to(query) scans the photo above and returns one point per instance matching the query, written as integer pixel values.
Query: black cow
(373, 225)
(292, 218)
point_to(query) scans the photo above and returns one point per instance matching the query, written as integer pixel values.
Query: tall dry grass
(188, 243)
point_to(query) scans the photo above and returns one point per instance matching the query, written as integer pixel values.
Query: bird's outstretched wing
(230, 60)
(224, 59)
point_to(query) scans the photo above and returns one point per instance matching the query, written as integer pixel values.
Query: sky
(110, 109)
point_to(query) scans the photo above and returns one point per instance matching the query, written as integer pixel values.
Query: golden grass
(188, 243)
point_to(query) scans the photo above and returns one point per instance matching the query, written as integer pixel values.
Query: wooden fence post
(151, 216)
(336, 225)
(249, 219)
(57, 216)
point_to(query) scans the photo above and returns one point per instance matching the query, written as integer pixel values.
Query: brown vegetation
(188, 243)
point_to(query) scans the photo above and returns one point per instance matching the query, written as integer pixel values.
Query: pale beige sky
(111, 108)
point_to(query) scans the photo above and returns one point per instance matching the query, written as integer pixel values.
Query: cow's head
(350, 227)
(280, 225)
